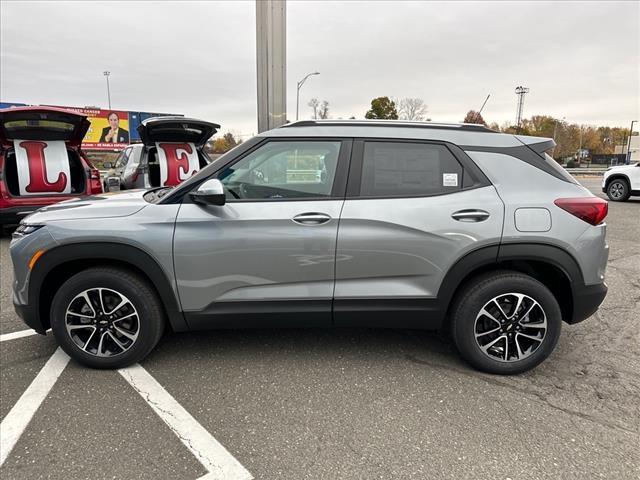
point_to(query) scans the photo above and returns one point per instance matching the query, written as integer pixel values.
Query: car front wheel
(106, 317)
(618, 190)
(505, 323)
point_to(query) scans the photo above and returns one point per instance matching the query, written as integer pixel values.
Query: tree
(412, 109)
(382, 108)
(474, 117)
(225, 143)
(314, 103)
(323, 110)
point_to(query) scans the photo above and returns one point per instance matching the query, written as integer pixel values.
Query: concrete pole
(271, 57)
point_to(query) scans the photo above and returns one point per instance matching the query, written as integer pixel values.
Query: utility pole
(271, 58)
(106, 73)
(300, 83)
(628, 159)
(521, 92)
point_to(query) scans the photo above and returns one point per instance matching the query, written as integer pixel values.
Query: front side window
(283, 170)
(400, 169)
(123, 158)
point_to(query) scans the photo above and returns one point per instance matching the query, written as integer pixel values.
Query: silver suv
(328, 223)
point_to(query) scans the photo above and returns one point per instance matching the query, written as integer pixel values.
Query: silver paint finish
(255, 251)
(405, 246)
(532, 219)
(521, 185)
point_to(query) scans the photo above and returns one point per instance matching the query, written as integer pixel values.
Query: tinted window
(283, 170)
(408, 169)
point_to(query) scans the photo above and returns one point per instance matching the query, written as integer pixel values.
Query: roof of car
(457, 133)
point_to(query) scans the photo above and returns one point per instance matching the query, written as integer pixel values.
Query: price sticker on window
(449, 179)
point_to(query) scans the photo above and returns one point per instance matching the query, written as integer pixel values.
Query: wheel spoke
(122, 303)
(100, 344)
(531, 337)
(86, 344)
(504, 315)
(79, 327)
(493, 342)
(478, 335)
(486, 313)
(113, 337)
(130, 336)
(125, 317)
(520, 298)
(85, 295)
(518, 348)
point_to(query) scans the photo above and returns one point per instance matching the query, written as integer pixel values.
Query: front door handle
(311, 218)
(470, 215)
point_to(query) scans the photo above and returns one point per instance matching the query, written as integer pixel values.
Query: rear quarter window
(402, 169)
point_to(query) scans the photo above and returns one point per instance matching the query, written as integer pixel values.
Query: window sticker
(449, 179)
(43, 167)
(178, 161)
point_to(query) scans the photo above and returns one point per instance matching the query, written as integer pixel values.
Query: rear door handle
(470, 215)
(311, 218)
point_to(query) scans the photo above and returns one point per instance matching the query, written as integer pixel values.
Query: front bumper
(29, 316)
(586, 300)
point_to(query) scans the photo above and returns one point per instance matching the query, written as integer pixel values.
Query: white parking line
(13, 335)
(209, 452)
(22, 412)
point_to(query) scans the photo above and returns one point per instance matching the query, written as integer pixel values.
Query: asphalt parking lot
(352, 404)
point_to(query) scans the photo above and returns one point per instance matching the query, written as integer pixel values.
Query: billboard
(110, 129)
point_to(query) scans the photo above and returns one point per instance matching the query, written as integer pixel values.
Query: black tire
(150, 315)
(472, 299)
(618, 190)
(105, 187)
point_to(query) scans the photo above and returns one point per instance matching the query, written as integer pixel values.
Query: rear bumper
(586, 300)
(13, 215)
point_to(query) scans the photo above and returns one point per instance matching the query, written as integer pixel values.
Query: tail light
(592, 210)
(95, 186)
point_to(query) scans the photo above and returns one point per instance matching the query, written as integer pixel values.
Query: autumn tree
(382, 108)
(225, 143)
(474, 117)
(412, 109)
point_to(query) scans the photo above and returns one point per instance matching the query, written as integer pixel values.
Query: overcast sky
(581, 60)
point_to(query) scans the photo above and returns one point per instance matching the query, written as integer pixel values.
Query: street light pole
(628, 160)
(106, 73)
(300, 83)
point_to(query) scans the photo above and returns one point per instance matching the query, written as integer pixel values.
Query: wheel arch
(550, 265)
(618, 176)
(60, 263)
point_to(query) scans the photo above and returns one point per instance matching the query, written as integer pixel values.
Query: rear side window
(401, 169)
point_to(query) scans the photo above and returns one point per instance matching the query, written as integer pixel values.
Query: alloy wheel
(510, 327)
(102, 322)
(616, 190)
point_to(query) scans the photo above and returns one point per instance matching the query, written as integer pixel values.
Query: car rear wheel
(618, 190)
(106, 317)
(505, 323)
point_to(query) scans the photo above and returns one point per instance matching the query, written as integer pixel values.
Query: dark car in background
(48, 167)
(166, 142)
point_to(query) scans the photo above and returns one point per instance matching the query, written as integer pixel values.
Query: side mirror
(107, 165)
(210, 192)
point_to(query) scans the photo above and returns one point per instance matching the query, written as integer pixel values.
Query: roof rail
(472, 127)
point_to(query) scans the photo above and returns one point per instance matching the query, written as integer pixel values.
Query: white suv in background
(620, 182)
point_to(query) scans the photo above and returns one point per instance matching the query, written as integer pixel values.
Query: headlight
(24, 229)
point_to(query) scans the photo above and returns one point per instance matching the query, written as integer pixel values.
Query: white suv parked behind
(620, 182)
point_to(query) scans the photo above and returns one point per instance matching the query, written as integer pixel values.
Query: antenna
(521, 92)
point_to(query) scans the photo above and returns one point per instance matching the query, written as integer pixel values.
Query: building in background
(635, 149)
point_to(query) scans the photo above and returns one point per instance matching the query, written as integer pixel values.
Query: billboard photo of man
(114, 133)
